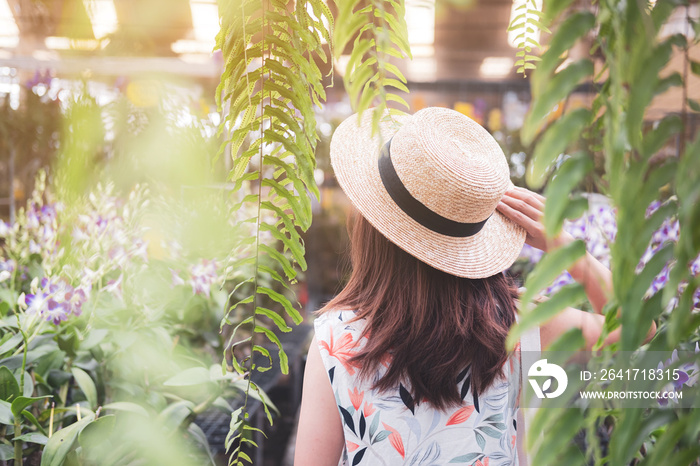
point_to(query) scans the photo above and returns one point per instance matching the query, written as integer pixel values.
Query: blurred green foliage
(644, 162)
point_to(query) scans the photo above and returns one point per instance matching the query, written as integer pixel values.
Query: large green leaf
(556, 139)
(33, 437)
(553, 93)
(126, 406)
(560, 435)
(86, 385)
(97, 431)
(61, 443)
(633, 429)
(7, 452)
(9, 388)
(568, 176)
(553, 8)
(659, 136)
(571, 30)
(549, 268)
(191, 376)
(11, 343)
(176, 413)
(568, 296)
(6, 416)
(570, 341)
(21, 402)
(643, 86)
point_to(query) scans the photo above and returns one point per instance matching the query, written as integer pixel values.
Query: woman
(409, 364)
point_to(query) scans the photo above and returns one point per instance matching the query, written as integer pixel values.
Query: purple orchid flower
(202, 276)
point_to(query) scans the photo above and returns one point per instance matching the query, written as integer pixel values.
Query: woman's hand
(526, 208)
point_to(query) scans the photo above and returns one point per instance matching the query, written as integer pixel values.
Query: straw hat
(430, 183)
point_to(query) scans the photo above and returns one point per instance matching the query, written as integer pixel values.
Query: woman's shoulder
(338, 319)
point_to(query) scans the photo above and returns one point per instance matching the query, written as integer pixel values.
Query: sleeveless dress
(390, 428)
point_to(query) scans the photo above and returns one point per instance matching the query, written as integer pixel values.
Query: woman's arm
(320, 438)
(526, 208)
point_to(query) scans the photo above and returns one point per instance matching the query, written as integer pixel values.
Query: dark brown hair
(432, 324)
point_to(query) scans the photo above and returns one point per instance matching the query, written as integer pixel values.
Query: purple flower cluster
(668, 232)
(532, 255)
(106, 239)
(202, 276)
(598, 230)
(688, 374)
(35, 232)
(695, 266)
(7, 265)
(42, 221)
(55, 299)
(106, 231)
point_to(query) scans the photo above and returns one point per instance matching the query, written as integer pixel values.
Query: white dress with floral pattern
(390, 428)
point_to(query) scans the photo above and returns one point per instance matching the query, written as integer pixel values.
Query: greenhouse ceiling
(453, 40)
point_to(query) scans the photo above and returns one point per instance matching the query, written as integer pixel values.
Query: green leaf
(9, 388)
(86, 385)
(281, 299)
(567, 177)
(556, 90)
(568, 296)
(191, 376)
(673, 80)
(658, 137)
(570, 341)
(632, 431)
(33, 437)
(7, 452)
(643, 86)
(565, 426)
(554, 142)
(695, 67)
(549, 268)
(176, 413)
(284, 365)
(554, 7)
(21, 402)
(97, 431)
(666, 445)
(570, 31)
(6, 416)
(30, 417)
(694, 105)
(281, 259)
(61, 443)
(126, 406)
(275, 318)
(11, 343)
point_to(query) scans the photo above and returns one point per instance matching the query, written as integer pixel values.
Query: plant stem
(63, 393)
(24, 351)
(18, 443)
(204, 405)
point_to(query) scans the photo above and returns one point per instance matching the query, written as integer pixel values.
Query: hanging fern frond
(269, 88)
(378, 31)
(525, 25)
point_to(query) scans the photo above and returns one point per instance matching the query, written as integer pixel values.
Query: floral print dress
(390, 428)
